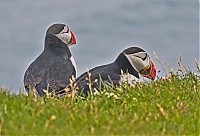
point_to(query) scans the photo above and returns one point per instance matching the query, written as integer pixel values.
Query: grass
(168, 106)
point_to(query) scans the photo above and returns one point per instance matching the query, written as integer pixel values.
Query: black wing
(51, 75)
(105, 73)
(34, 74)
(60, 73)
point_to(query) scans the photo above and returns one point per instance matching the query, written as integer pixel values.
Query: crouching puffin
(133, 60)
(55, 66)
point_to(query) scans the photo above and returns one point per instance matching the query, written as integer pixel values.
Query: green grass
(168, 106)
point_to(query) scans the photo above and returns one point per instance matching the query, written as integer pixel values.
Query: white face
(65, 35)
(138, 60)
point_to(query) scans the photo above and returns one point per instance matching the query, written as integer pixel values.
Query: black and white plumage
(133, 60)
(54, 67)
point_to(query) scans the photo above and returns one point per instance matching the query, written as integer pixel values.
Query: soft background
(103, 29)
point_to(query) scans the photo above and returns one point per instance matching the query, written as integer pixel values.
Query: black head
(133, 50)
(63, 32)
(140, 61)
(56, 29)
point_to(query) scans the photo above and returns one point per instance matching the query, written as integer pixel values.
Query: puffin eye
(141, 56)
(65, 30)
(144, 57)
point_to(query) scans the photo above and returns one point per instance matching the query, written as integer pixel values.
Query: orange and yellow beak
(73, 39)
(149, 71)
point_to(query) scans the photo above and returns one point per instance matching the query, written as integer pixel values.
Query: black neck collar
(125, 65)
(56, 45)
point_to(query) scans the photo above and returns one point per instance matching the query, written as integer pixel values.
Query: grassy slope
(165, 107)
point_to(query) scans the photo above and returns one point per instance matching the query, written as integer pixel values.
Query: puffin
(133, 61)
(55, 66)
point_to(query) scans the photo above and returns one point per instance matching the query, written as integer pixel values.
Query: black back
(109, 73)
(52, 69)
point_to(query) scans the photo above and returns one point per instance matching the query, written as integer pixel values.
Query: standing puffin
(55, 66)
(133, 60)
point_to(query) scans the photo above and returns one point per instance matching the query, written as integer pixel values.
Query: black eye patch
(64, 32)
(67, 30)
(141, 57)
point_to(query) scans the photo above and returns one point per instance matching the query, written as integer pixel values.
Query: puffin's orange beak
(149, 71)
(73, 39)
